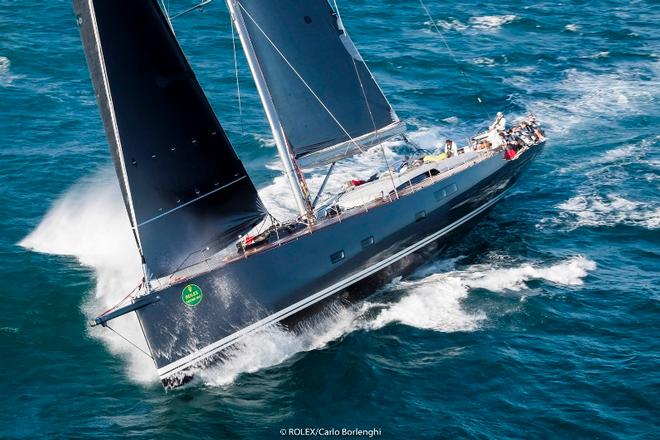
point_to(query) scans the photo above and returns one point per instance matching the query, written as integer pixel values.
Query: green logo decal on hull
(191, 295)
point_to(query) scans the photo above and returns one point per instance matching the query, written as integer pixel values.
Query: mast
(292, 171)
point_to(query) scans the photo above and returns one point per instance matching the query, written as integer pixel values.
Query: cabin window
(440, 194)
(421, 215)
(337, 257)
(367, 242)
(444, 192)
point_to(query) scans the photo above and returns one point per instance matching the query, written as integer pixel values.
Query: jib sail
(184, 187)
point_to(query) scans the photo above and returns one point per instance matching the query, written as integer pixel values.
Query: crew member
(495, 129)
(450, 148)
(499, 124)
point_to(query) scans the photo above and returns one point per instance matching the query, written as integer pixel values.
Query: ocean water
(542, 322)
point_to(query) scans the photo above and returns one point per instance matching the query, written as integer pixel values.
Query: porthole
(367, 242)
(337, 257)
(444, 192)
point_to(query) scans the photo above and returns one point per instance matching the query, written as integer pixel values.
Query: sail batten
(323, 92)
(184, 187)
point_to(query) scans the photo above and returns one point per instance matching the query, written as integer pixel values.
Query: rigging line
(322, 187)
(382, 150)
(451, 52)
(279, 52)
(128, 340)
(165, 8)
(366, 101)
(238, 85)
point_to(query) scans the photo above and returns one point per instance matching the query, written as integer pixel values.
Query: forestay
(327, 102)
(186, 191)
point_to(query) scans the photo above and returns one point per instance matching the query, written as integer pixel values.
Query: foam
(611, 210)
(451, 25)
(486, 23)
(6, 77)
(615, 158)
(432, 302)
(483, 61)
(275, 345)
(89, 222)
(586, 98)
(491, 22)
(566, 273)
(572, 27)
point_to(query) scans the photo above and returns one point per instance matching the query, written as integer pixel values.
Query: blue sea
(542, 322)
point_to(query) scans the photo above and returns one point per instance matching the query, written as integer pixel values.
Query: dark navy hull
(287, 283)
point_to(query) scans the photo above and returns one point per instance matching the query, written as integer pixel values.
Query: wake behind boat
(189, 197)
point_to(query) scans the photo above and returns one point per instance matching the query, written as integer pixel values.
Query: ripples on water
(541, 322)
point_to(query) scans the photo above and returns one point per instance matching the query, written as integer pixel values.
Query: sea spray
(274, 344)
(89, 222)
(432, 302)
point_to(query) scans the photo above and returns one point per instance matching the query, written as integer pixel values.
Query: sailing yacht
(209, 279)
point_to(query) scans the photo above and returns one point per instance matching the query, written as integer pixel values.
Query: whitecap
(572, 27)
(583, 98)
(601, 55)
(433, 303)
(479, 23)
(264, 141)
(9, 329)
(4, 65)
(6, 77)
(611, 210)
(566, 273)
(491, 22)
(483, 61)
(450, 25)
